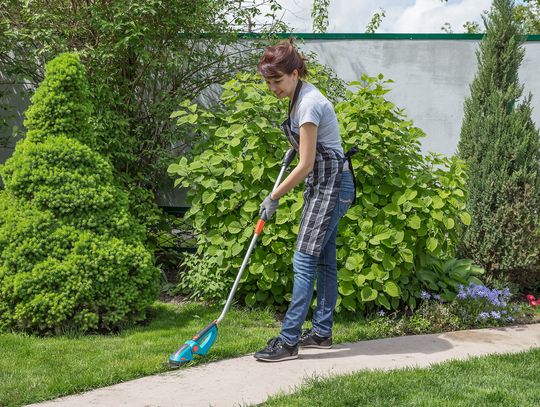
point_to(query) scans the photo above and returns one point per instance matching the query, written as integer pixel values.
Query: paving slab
(244, 381)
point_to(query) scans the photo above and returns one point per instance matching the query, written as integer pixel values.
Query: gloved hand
(268, 206)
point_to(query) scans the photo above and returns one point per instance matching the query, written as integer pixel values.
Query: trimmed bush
(408, 212)
(71, 255)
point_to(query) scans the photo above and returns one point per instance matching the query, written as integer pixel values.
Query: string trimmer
(201, 343)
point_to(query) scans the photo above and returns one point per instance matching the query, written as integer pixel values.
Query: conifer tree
(500, 144)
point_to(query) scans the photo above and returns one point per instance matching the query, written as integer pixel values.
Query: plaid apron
(321, 189)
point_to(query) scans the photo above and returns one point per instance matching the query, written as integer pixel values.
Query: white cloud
(430, 15)
(410, 16)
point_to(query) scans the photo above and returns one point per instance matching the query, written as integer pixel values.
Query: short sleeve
(309, 111)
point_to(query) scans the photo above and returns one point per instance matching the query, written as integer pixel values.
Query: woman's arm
(308, 148)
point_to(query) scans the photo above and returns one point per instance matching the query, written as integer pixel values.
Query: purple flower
(496, 314)
(437, 296)
(425, 295)
(382, 313)
(483, 315)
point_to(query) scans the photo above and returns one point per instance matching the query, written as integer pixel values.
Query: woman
(312, 129)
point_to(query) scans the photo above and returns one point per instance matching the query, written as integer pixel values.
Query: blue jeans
(306, 267)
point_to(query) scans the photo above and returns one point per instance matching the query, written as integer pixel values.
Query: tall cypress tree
(500, 144)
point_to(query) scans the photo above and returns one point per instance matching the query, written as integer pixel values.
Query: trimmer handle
(289, 156)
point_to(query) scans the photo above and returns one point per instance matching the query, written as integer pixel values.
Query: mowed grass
(495, 380)
(34, 369)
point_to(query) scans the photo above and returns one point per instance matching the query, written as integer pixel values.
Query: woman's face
(284, 85)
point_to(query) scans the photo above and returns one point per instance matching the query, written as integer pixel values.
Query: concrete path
(244, 381)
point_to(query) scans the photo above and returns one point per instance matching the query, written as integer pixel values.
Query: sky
(402, 16)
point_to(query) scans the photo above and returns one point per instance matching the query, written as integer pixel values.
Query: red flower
(530, 297)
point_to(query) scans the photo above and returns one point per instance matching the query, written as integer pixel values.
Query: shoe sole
(316, 346)
(279, 360)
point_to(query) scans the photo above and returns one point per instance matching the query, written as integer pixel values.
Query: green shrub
(501, 145)
(408, 204)
(71, 255)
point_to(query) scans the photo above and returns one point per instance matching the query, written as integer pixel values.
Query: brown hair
(282, 58)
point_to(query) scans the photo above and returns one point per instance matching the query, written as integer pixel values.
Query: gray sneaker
(310, 339)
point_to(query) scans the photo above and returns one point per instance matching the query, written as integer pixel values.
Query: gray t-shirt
(313, 107)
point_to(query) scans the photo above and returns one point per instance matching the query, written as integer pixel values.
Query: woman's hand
(268, 207)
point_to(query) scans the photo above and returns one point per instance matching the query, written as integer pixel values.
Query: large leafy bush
(408, 212)
(71, 255)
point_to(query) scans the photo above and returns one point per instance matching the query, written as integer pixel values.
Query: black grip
(289, 157)
(203, 331)
(353, 150)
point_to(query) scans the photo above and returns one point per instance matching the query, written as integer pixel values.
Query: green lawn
(34, 369)
(495, 380)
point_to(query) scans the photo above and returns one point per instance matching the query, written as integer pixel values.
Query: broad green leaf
(398, 237)
(235, 227)
(382, 300)
(346, 288)
(432, 244)
(359, 280)
(366, 226)
(256, 268)
(391, 288)
(269, 274)
(208, 197)
(257, 172)
(406, 255)
(465, 218)
(227, 185)
(391, 209)
(251, 206)
(437, 215)
(368, 294)
(260, 295)
(414, 222)
(354, 263)
(437, 202)
(345, 274)
(349, 302)
(388, 262)
(283, 215)
(376, 254)
(449, 223)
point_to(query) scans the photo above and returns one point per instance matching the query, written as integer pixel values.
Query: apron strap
(353, 150)
(294, 99)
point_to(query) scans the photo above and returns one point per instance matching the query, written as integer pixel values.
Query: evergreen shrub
(71, 255)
